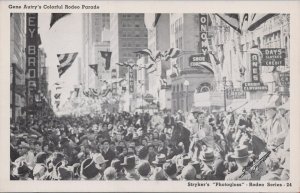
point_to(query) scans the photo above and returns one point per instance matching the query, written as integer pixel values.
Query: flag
(85, 93)
(171, 53)
(57, 16)
(233, 20)
(146, 51)
(57, 103)
(107, 57)
(65, 60)
(106, 92)
(156, 56)
(244, 21)
(163, 82)
(95, 68)
(77, 91)
(258, 19)
(57, 95)
(175, 66)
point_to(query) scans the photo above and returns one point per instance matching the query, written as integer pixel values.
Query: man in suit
(169, 120)
(107, 153)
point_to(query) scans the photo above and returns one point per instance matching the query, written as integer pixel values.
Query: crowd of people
(208, 145)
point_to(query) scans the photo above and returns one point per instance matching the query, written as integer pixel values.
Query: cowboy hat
(160, 159)
(99, 159)
(241, 152)
(208, 156)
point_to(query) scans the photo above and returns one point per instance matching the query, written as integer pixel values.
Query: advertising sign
(285, 79)
(254, 86)
(197, 60)
(273, 57)
(131, 81)
(203, 33)
(236, 93)
(32, 44)
(255, 76)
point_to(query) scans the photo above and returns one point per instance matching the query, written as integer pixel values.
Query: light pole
(187, 83)
(224, 84)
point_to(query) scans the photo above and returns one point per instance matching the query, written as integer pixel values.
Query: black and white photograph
(150, 96)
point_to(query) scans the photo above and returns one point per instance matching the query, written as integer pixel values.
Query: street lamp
(224, 84)
(187, 83)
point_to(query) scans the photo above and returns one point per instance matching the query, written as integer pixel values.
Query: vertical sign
(131, 80)
(32, 44)
(255, 77)
(114, 84)
(203, 33)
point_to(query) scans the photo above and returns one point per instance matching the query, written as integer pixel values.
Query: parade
(151, 97)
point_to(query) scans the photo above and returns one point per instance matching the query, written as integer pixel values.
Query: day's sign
(273, 57)
(254, 86)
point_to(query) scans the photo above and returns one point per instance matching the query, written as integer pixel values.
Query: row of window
(177, 26)
(134, 44)
(134, 33)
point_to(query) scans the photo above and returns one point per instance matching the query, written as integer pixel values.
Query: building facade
(93, 26)
(128, 35)
(185, 35)
(17, 63)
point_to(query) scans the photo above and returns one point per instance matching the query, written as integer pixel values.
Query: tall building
(185, 35)
(128, 34)
(93, 26)
(43, 73)
(17, 62)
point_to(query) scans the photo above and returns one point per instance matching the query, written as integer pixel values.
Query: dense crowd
(206, 145)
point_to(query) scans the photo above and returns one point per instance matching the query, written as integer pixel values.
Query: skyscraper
(128, 34)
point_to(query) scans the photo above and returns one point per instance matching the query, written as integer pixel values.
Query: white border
(292, 7)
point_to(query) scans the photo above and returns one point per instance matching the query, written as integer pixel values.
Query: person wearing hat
(160, 159)
(129, 166)
(116, 163)
(107, 152)
(180, 116)
(110, 173)
(201, 130)
(26, 155)
(144, 170)
(188, 173)
(89, 171)
(23, 171)
(170, 170)
(242, 158)
(276, 126)
(207, 158)
(169, 120)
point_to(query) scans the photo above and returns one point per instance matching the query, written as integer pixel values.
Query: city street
(149, 96)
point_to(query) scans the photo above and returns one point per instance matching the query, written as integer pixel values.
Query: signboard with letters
(273, 57)
(236, 93)
(197, 60)
(255, 76)
(32, 43)
(203, 33)
(131, 80)
(285, 79)
(254, 86)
